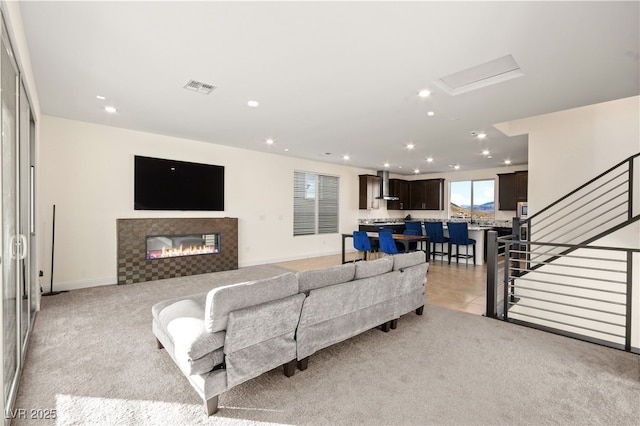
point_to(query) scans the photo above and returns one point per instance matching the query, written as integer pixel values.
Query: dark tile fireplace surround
(140, 242)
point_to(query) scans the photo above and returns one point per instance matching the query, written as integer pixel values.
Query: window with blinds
(315, 203)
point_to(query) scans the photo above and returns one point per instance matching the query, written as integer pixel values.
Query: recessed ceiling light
(399, 167)
(416, 171)
(488, 156)
(269, 141)
(429, 159)
(253, 104)
(424, 93)
(457, 167)
(431, 113)
(345, 157)
(482, 135)
(102, 98)
(386, 164)
(507, 162)
(485, 152)
(410, 146)
(286, 149)
(110, 109)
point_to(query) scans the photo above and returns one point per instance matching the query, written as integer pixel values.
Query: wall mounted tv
(177, 185)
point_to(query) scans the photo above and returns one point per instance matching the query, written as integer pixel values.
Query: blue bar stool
(361, 243)
(387, 244)
(435, 232)
(459, 235)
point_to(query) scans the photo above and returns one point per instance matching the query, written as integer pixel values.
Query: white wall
(87, 172)
(568, 148)
(482, 174)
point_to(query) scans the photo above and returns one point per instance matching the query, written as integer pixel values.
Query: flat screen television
(161, 184)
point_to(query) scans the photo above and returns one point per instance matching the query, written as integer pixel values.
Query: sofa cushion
(222, 300)
(184, 322)
(405, 260)
(373, 267)
(201, 365)
(308, 280)
(352, 298)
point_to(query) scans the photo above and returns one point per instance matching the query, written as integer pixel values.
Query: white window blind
(315, 203)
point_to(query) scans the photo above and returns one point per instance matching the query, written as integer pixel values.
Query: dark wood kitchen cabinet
(512, 189)
(398, 188)
(426, 194)
(369, 191)
(522, 181)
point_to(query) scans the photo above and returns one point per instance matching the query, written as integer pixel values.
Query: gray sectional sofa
(236, 332)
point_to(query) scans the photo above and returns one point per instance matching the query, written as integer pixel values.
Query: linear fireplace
(191, 246)
(162, 246)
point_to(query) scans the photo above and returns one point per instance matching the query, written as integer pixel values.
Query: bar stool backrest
(361, 241)
(458, 233)
(387, 245)
(413, 226)
(435, 231)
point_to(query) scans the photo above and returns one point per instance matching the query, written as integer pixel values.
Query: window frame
(471, 209)
(317, 213)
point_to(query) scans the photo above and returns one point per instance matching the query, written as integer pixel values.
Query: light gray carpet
(93, 358)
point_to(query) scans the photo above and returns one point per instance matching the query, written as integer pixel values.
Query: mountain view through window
(472, 199)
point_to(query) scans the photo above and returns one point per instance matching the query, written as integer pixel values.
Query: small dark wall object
(53, 239)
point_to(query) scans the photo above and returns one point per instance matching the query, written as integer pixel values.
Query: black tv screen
(177, 185)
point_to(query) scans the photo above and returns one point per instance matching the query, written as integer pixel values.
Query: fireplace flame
(181, 251)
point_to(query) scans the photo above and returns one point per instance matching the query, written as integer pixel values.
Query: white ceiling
(332, 78)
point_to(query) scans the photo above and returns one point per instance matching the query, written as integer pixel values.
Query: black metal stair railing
(586, 214)
(586, 294)
(562, 278)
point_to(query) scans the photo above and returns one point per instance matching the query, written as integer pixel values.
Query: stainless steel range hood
(384, 186)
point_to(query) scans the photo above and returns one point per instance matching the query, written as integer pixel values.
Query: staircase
(579, 266)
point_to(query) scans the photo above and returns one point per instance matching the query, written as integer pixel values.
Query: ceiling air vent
(483, 75)
(199, 87)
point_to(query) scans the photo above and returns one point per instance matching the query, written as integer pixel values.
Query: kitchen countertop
(472, 227)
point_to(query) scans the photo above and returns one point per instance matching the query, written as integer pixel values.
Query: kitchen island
(477, 231)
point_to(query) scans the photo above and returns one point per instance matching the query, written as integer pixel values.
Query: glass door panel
(10, 205)
(24, 269)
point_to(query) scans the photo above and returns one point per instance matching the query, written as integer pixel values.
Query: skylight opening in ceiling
(483, 75)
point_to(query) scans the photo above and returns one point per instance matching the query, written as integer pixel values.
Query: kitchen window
(315, 203)
(472, 199)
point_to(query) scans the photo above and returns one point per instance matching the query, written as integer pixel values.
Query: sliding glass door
(17, 235)
(10, 207)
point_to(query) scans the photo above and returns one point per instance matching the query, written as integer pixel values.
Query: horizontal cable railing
(586, 213)
(585, 294)
(553, 275)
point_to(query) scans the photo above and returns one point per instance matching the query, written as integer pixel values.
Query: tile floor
(457, 286)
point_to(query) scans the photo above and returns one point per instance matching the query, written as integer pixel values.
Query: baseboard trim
(76, 285)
